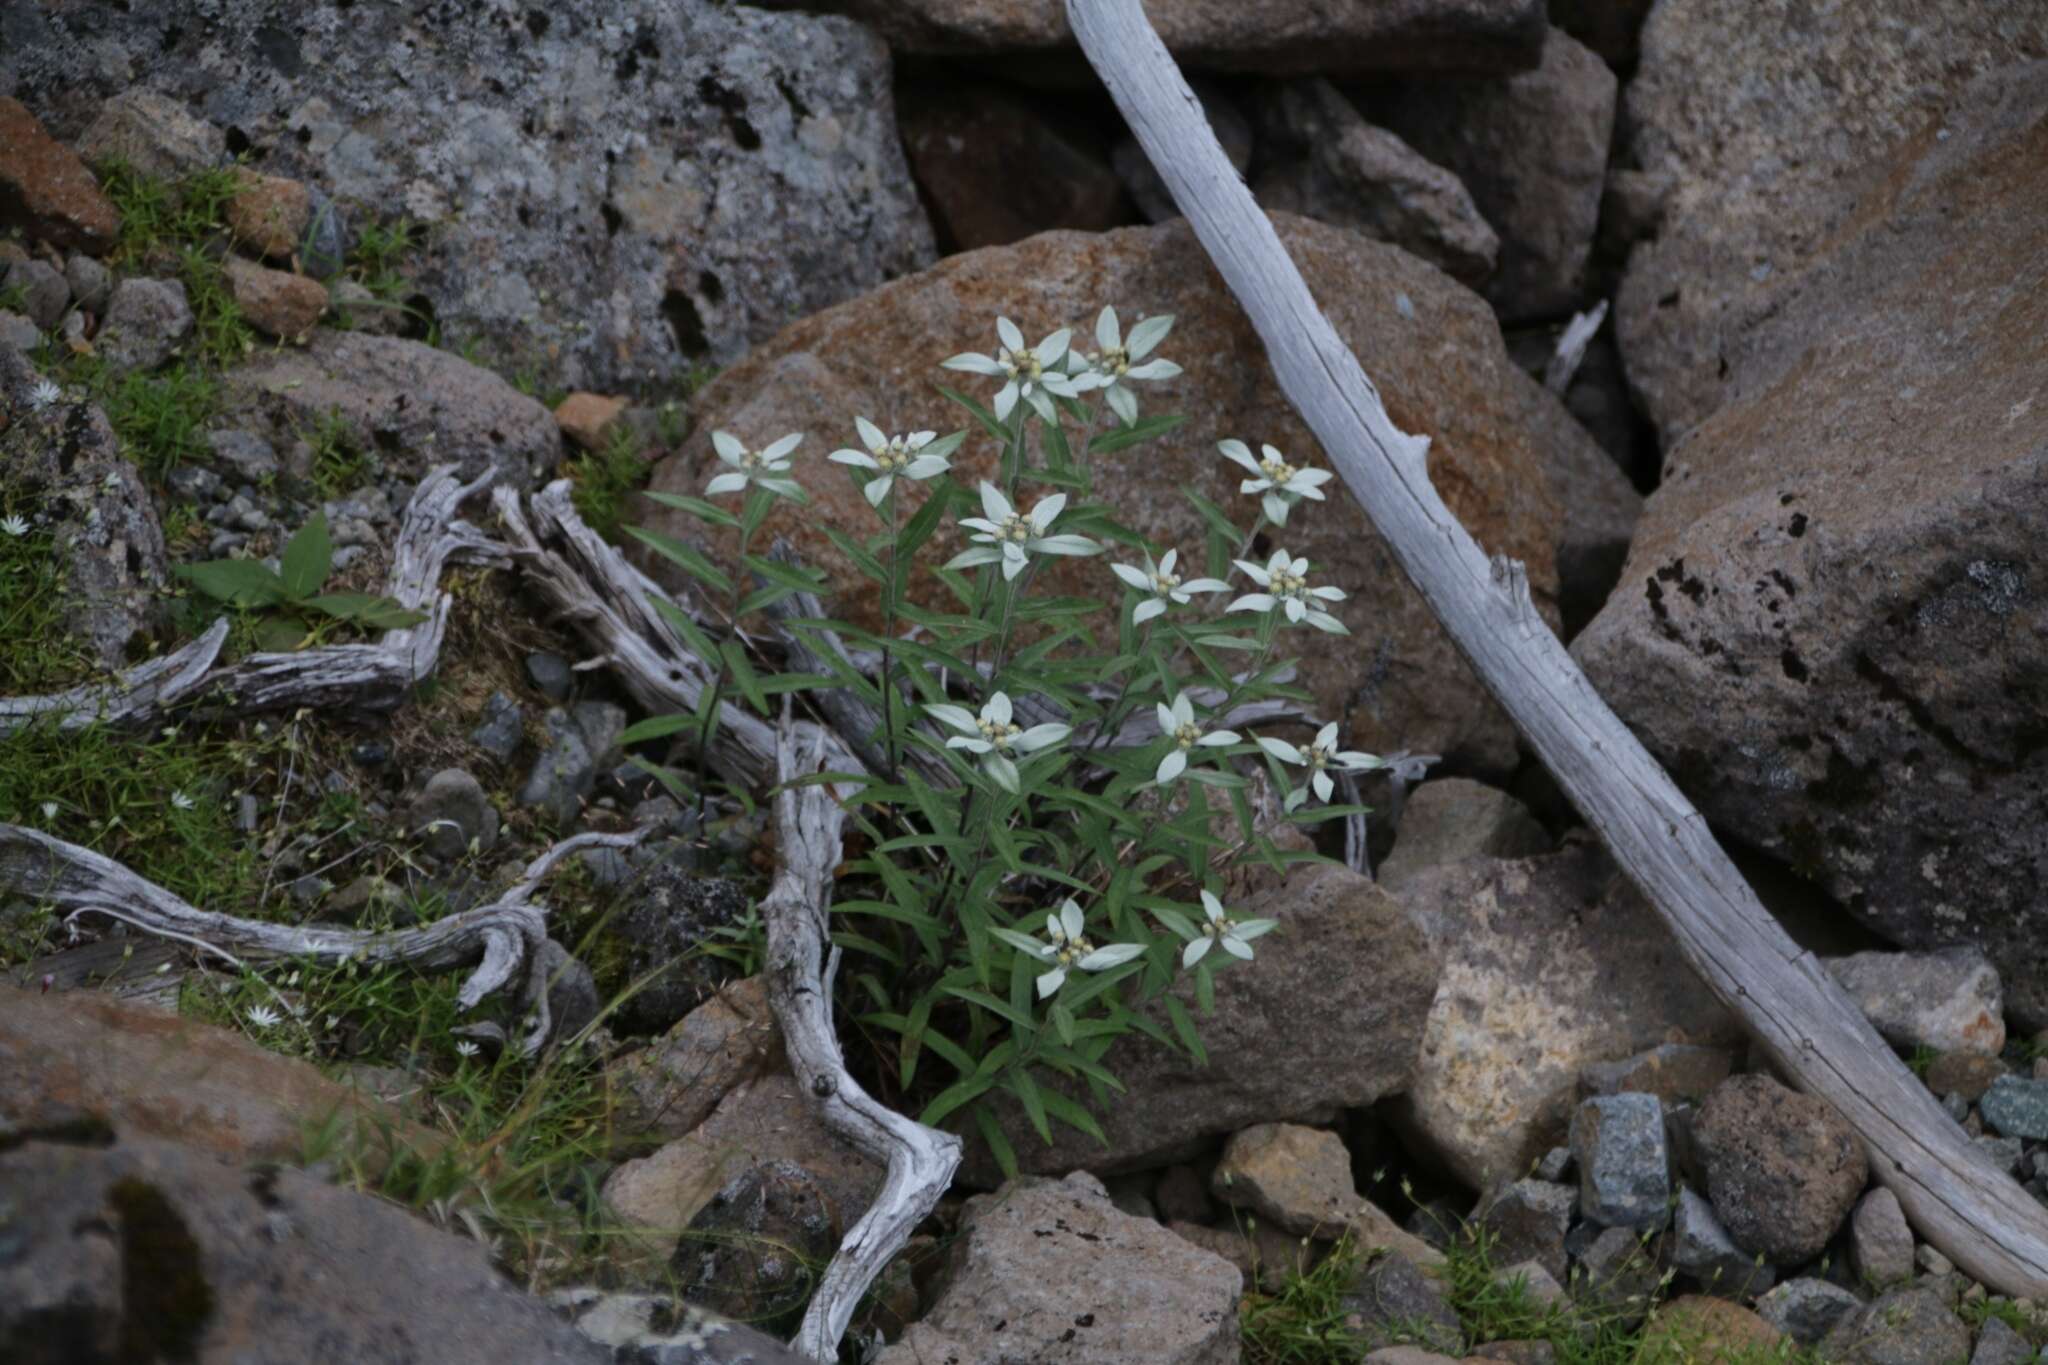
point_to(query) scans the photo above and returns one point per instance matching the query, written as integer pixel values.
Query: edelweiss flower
(465, 1048)
(14, 526)
(1031, 373)
(1320, 756)
(1163, 584)
(913, 457)
(1010, 536)
(1286, 583)
(993, 735)
(1118, 361)
(50, 809)
(1178, 723)
(1278, 481)
(1235, 935)
(182, 801)
(262, 1016)
(751, 467)
(1068, 947)
(44, 395)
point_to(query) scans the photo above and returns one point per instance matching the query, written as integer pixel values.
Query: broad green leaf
(952, 1097)
(378, 613)
(280, 634)
(1184, 1029)
(1072, 1114)
(686, 626)
(307, 555)
(240, 582)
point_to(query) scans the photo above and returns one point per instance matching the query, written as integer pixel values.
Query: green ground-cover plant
(1028, 891)
(294, 611)
(39, 652)
(605, 479)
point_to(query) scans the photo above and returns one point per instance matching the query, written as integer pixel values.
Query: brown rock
(1724, 108)
(1295, 1177)
(153, 134)
(671, 1086)
(1968, 1074)
(1451, 819)
(1870, 729)
(1532, 149)
(1694, 1329)
(878, 355)
(1783, 1169)
(269, 214)
(1265, 1256)
(1551, 964)
(996, 167)
(1279, 36)
(161, 1076)
(46, 191)
(1670, 1071)
(587, 418)
(278, 302)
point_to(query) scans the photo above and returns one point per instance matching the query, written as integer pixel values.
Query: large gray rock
(670, 1086)
(1281, 36)
(1880, 1242)
(1318, 157)
(65, 476)
(155, 135)
(1527, 1221)
(1782, 1168)
(1450, 819)
(1549, 964)
(1903, 1327)
(1873, 729)
(1764, 121)
(1947, 1000)
(1391, 1300)
(1702, 1248)
(1533, 151)
(414, 405)
(1051, 1270)
(1624, 1165)
(146, 320)
(145, 1250)
(1807, 1309)
(611, 191)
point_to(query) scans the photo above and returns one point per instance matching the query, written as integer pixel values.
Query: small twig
(1571, 348)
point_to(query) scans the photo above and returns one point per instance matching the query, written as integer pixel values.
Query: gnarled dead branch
(139, 693)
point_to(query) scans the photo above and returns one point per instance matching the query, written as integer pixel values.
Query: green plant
(605, 479)
(39, 652)
(161, 418)
(379, 256)
(339, 460)
(1308, 1321)
(1025, 892)
(292, 593)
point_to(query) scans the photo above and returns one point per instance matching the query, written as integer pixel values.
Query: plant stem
(889, 633)
(710, 725)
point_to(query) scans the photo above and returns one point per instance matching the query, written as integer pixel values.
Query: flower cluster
(1067, 947)
(763, 468)
(1005, 536)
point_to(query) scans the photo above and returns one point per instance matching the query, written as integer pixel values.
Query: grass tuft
(606, 479)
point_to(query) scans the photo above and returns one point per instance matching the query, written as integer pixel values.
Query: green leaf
(789, 575)
(280, 634)
(998, 1145)
(952, 1097)
(686, 626)
(1020, 1084)
(1001, 1008)
(306, 558)
(981, 414)
(240, 582)
(744, 677)
(685, 556)
(657, 727)
(378, 613)
(698, 508)
(1072, 1114)
(1063, 1021)
(862, 558)
(1144, 429)
(1184, 1029)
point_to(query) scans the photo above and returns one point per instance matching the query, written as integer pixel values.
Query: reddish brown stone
(276, 301)
(269, 214)
(46, 190)
(587, 418)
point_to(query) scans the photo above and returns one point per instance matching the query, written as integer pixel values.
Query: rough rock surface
(45, 190)
(1436, 358)
(1724, 111)
(270, 214)
(2017, 1107)
(663, 918)
(1696, 1327)
(146, 320)
(1280, 36)
(1532, 149)
(1702, 1248)
(1903, 1327)
(1670, 1071)
(654, 1329)
(1806, 1309)
(1270, 1059)
(66, 476)
(1051, 1270)
(1450, 819)
(1874, 729)
(276, 302)
(1947, 1000)
(748, 1253)
(146, 1250)
(1880, 1243)
(670, 1086)
(582, 741)
(1321, 159)
(1527, 1220)
(155, 134)
(1782, 1168)
(1624, 1166)
(1549, 964)
(451, 813)
(1298, 1180)
(612, 191)
(1392, 1300)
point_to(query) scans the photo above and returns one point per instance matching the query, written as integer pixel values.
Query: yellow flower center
(999, 734)
(1278, 470)
(1186, 735)
(1023, 364)
(1287, 583)
(1015, 528)
(1164, 583)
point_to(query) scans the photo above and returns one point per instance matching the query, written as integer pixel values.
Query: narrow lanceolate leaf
(684, 556)
(698, 508)
(303, 564)
(1145, 429)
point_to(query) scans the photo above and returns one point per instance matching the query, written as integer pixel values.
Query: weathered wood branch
(1974, 1213)
(135, 694)
(500, 941)
(1571, 348)
(920, 1161)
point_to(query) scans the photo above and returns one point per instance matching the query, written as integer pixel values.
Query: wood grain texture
(1978, 1217)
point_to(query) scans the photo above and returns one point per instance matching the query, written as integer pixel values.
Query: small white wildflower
(1068, 947)
(1277, 482)
(44, 395)
(1005, 535)
(1177, 722)
(262, 1016)
(994, 736)
(1234, 935)
(748, 468)
(916, 456)
(14, 525)
(1119, 360)
(465, 1048)
(1032, 373)
(1285, 581)
(182, 801)
(49, 810)
(1163, 584)
(1320, 756)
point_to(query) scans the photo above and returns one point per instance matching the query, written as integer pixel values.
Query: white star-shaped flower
(14, 525)
(1320, 756)
(1277, 482)
(182, 801)
(262, 1016)
(465, 1048)
(920, 456)
(749, 468)
(1162, 585)
(1118, 361)
(1234, 935)
(44, 395)
(1067, 947)
(1032, 373)
(1177, 722)
(1285, 581)
(995, 737)
(1005, 535)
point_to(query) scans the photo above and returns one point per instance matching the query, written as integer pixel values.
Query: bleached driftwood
(139, 693)
(501, 939)
(1973, 1212)
(1571, 348)
(920, 1161)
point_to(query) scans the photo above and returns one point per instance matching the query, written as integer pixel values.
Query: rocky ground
(1470, 1104)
